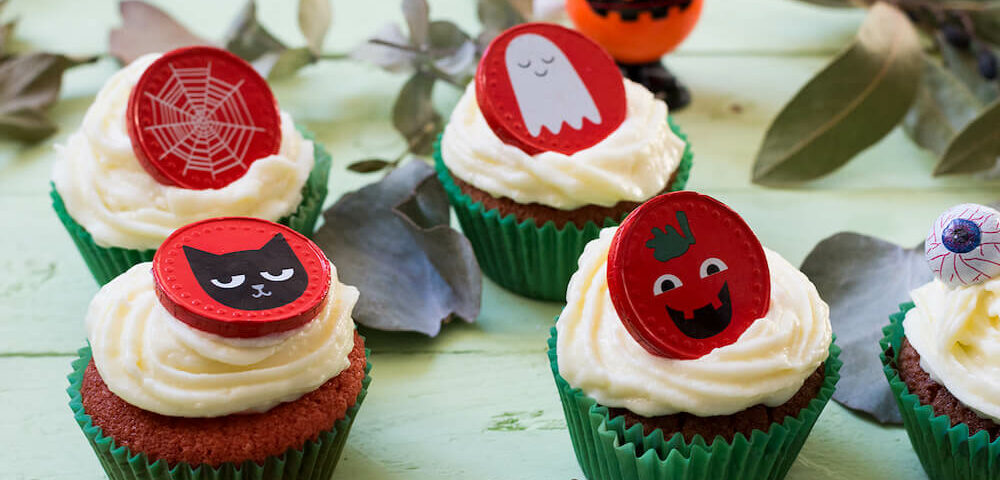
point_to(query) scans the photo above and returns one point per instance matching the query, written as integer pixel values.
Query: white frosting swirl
(634, 163)
(767, 364)
(158, 363)
(108, 192)
(956, 331)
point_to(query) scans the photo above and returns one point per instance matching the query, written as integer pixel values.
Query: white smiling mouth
(260, 291)
(544, 73)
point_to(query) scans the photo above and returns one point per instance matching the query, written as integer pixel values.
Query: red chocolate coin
(241, 276)
(687, 275)
(543, 87)
(200, 116)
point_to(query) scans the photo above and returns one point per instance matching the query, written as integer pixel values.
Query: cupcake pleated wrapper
(946, 452)
(106, 263)
(608, 450)
(528, 259)
(315, 460)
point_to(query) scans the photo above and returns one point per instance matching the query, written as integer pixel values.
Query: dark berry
(956, 36)
(961, 235)
(987, 64)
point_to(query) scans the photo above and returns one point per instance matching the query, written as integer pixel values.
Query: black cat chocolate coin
(241, 277)
(543, 87)
(686, 275)
(200, 116)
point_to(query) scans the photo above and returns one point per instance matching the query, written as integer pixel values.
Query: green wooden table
(477, 402)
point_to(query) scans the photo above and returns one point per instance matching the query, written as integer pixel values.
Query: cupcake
(174, 139)
(232, 354)
(687, 350)
(546, 147)
(939, 351)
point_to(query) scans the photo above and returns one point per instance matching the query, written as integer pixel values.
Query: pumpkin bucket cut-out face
(241, 277)
(687, 275)
(635, 31)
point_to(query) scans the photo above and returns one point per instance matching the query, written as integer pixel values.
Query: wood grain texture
(478, 401)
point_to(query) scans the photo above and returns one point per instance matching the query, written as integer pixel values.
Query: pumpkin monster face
(635, 31)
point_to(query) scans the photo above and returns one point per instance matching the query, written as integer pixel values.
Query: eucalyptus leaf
(377, 50)
(417, 15)
(147, 29)
(315, 17)
(392, 240)
(963, 64)
(986, 21)
(414, 116)
(835, 3)
(496, 16)
(29, 85)
(369, 165)
(452, 49)
(944, 105)
(290, 61)
(864, 280)
(976, 148)
(248, 39)
(851, 104)
(6, 35)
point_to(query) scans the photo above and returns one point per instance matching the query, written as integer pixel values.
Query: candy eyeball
(963, 247)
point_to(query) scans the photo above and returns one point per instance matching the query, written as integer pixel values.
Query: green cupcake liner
(316, 460)
(607, 450)
(534, 261)
(946, 452)
(106, 263)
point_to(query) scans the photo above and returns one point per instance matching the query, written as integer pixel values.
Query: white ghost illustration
(548, 89)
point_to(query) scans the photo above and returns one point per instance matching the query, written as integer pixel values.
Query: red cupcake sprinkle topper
(543, 87)
(687, 275)
(241, 277)
(200, 116)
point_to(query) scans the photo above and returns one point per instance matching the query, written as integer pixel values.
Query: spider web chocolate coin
(200, 116)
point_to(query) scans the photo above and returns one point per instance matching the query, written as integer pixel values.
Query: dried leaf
(847, 107)
(414, 115)
(290, 61)
(944, 105)
(392, 240)
(147, 29)
(29, 85)
(417, 15)
(315, 17)
(964, 65)
(369, 165)
(864, 280)
(496, 16)
(392, 59)
(976, 147)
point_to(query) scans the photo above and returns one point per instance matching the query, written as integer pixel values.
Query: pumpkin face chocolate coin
(543, 87)
(687, 275)
(241, 277)
(200, 116)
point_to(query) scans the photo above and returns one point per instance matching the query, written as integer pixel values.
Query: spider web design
(977, 265)
(202, 120)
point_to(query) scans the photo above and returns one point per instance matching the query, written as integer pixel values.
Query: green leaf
(944, 105)
(248, 39)
(147, 29)
(29, 85)
(851, 104)
(986, 21)
(496, 16)
(452, 49)
(414, 115)
(976, 147)
(963, 64)
(417, 15)
(290, 61)
(369, 165)
(315, 17)
(378, 51)
(398, 228)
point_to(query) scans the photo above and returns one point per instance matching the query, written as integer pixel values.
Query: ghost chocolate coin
(543, 87)
(200, 116)
(241, 276)
(686, 275)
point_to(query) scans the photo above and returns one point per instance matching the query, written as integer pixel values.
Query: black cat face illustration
(261, 279)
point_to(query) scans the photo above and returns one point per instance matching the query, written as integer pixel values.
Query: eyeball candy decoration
(686, 275)
(241, 277)
(963, 247)
(543, 87)
(200, 116)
